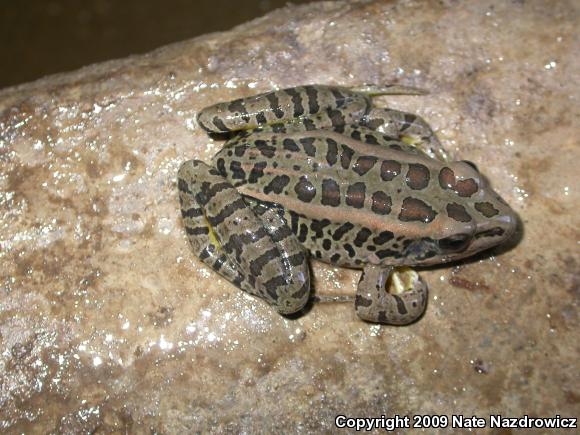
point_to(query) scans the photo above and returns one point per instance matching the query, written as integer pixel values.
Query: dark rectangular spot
(371, 139)
(258, 263)
(303, 233)
(236, 169)
(418, 176)
(346, 156)
(312, 94)
(226, 212)
(305, 190)
(221, 127)
(290, 145)
(332, 152)
(296, 101)
(381, 203)
(308, 145)
(308, 124)
(362, 236)
(318, 227)
(197, 231)
(294, 222)
(383, 238)
(238, 107)
(339, 99)
(336, 118)
(261, 118)
(355, 195)
(277, 185)
(364, 164)
(342, 230)
(330, 193)
(272, 98)
(390, 169)
(414, 209)
(192, 212)
(257, 172)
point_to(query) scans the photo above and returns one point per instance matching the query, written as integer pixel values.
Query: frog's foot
(404, 303)
(388, 89)
(256, 252)
(410, 128)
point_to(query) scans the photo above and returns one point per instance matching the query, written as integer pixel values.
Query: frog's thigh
(374, 303)
(227, 235)
(199, 233)
(408, 126)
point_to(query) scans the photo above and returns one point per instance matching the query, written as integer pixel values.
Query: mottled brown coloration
(464, 188)
(355, 195)
(446, 178)
(418, 176)
(390, 169)
(414, 209)
(346, 156)
(457, 212)
(364, 164)
(305, 190)
(277, 184)
(487, 209)
(381, 203)
(330, 193)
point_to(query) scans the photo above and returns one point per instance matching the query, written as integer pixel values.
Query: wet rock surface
(108, 322)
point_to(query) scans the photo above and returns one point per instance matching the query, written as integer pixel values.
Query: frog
(317, 171)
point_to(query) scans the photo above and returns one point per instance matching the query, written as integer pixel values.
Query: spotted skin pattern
(318, 171)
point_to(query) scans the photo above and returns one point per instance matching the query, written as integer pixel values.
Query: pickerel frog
(318, 171)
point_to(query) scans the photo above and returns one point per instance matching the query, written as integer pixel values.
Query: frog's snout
(499, 225)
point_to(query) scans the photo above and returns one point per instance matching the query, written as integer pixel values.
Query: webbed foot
(394, 297)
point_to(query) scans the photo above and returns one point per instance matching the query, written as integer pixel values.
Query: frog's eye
(456, 243)
(473, 165)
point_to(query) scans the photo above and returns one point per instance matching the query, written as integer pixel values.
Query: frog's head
(472, 217)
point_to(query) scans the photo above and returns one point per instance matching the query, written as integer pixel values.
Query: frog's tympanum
(317, 171)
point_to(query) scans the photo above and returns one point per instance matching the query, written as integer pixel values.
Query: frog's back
(343, 195)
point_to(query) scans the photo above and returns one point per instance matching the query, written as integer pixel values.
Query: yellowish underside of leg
(402, 279)
(212, 235)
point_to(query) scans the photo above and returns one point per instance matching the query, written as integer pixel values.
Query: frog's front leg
(405, 302)
(258, 254)
(409, 127)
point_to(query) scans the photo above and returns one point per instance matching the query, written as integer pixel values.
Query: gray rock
(108, 322)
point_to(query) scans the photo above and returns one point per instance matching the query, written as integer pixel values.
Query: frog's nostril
(510, 222)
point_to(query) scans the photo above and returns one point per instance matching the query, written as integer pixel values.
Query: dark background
(40, 37)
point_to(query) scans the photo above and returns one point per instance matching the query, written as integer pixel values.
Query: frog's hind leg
(311, 106)
(256, 253)
(405, 302)
(410, 128)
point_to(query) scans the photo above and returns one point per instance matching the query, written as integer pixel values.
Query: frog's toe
(403, 303)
